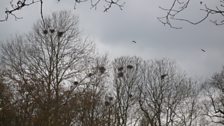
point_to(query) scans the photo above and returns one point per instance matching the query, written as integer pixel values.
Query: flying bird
(134, 41)
(203, 50)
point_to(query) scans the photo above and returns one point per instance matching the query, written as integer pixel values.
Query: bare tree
(166, 98)
(45, 67)
(90, 99)
(214, 103)
(126, 80)
(7, 110)
(178, 7)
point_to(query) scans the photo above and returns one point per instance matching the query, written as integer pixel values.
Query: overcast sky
(114, 31)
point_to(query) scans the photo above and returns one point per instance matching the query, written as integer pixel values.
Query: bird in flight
(134, 41)
(203, 50)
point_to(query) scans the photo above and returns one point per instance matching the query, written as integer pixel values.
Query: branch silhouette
(17, 5)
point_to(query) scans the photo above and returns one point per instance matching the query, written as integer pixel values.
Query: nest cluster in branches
(59, 33)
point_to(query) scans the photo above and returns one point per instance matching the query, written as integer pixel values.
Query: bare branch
(16, 7)
(110, 3)
(20, 4)
(178, 7)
